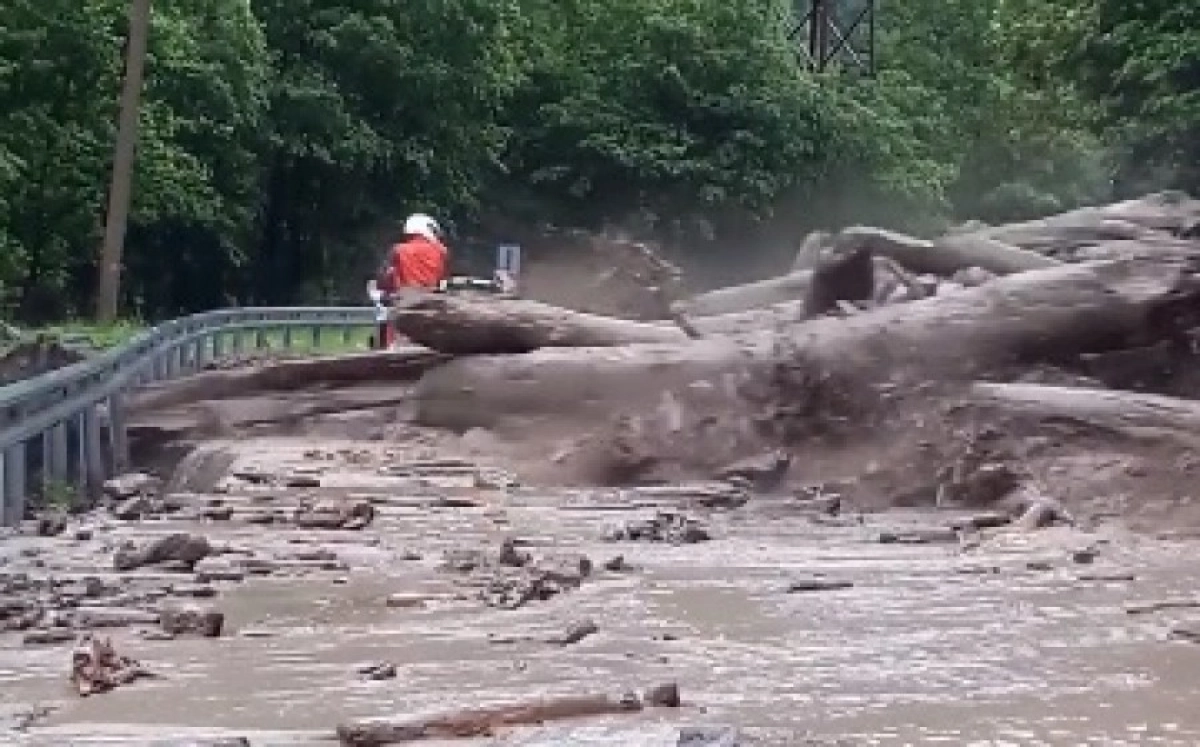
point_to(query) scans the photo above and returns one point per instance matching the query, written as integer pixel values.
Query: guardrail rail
(67, 427)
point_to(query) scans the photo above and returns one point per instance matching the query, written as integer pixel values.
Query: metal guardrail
(74, 420)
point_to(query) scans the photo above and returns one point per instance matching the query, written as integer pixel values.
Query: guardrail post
(287, 338)
(59, 452)
(159, 366)
(93, 455)
(218, 343)
(201, 346)
(347, 335)
(12, 484)
(80, 470)
(260, 339)
(239, 344)
(316, 338)
(118, 438)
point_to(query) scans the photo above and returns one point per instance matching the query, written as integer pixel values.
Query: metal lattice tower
(836, 34)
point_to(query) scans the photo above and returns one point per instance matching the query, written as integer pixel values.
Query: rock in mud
(129, 485)
(337, 515)
(509, 555)
(192, 621)
(511, 588)
(969, 483)
(672, 528)
(663, 696)
(576, 632)
(617, 564)
(51, 524)
(764, 473)
(185, 549)
(464, 561)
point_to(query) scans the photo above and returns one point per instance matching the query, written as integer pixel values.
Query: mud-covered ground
(793, 622)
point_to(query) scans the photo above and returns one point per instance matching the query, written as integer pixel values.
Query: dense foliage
(281, 139)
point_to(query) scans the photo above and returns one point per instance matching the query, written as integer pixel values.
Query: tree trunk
(1164, 213)
(1035, 315)
(1129, 414)
(474, 325)
(947, 255)
(287, 375)
(578, 385)
(738, 298)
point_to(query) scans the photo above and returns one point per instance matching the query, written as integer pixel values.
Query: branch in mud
(485, 722)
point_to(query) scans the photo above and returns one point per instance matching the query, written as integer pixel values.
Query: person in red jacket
(419, 260)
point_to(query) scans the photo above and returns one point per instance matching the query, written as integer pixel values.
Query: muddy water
(933, 644)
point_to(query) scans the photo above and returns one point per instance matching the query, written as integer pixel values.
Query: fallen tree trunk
(287, 375)
(473, 325)
(790, 287)
(1058, 311)
(947, 255)
(1129, 414)
(483, 722)
(458, 325)
(581, 384)
(1160, 214)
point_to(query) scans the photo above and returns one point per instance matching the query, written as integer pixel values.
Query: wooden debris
(484, 722)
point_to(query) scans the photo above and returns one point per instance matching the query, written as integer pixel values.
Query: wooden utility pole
(109, 285)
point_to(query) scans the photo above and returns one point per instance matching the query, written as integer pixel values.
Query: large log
(790, 287)
(948, 254)
(1044, 313)
(473, 325)
(1166, 213)
(405, 364)
(576, 384)
(1129, 414)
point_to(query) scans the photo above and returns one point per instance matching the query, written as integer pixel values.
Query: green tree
(1140, 62)
(683, 113)
(200, 159)
(379, 107)
(56, 113)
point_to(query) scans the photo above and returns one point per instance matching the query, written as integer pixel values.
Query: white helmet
(419, 224)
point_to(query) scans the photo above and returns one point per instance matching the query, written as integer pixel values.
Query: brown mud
(788, 624)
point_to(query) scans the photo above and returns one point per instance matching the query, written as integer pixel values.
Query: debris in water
(484, 722)
(379, 671)
(96, 667)
(817, 583)
(672, 528)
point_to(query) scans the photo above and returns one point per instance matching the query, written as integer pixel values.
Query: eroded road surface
(789, 624)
